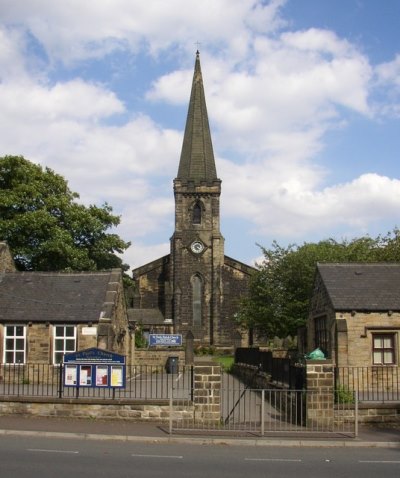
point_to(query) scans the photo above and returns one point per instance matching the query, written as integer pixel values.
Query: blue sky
(303, 98)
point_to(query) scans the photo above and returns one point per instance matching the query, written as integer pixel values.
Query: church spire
(197, 157)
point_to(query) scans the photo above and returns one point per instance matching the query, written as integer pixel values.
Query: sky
(303, 99)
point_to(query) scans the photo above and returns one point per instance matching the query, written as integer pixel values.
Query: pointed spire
(197, 157)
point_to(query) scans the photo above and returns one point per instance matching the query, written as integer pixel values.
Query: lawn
(226, 361)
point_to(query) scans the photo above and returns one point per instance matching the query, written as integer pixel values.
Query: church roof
(362, 286)
(197, 157)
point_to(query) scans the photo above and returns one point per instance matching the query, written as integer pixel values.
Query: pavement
(150, 432)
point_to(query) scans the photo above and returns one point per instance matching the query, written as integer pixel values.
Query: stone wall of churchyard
(78, 408)
(157, 356)
(206, 404)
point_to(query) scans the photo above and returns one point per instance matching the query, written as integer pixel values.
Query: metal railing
(143, 382)
(269, 412)
(373, 384)
(284, 371)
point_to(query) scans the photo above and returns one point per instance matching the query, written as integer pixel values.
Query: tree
(47, 229)
(280, 289)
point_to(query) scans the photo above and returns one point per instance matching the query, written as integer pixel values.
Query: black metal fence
(373, 384)
(143, 382)
(285, 371)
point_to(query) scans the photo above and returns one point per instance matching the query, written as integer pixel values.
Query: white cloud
(273, 95)
(389, 72)
(101, 27)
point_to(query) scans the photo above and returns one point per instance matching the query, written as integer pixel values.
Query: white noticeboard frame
(70, 375)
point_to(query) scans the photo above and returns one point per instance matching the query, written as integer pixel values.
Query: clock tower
(195, 288)
(197, 246)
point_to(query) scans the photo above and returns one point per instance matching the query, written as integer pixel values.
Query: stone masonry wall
(207, 394)
(157, 357)
(360, 328)
(144, 411)
(320, 378)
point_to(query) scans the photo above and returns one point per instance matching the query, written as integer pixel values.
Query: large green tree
(47, 229)
(281, 287)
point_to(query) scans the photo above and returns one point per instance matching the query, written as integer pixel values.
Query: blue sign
(94, 368)
(174, 340)
(94, 355)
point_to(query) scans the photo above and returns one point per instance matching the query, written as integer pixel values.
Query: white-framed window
(64, 341)
(14, 344)
(383, 349)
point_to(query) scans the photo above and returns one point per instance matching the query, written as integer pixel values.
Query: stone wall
(320, 376)
(360, 327)
(102, 409)
(207, 394)
(157, 356)
(205, 408)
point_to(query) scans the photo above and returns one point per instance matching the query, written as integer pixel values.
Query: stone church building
(195, 288)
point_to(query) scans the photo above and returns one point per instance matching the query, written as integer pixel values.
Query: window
(383, 349)
(64, 341)
(321, 334)
(14, 344)
(196, 297)
(196, 214)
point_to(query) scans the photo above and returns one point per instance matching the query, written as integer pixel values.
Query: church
(196, 288)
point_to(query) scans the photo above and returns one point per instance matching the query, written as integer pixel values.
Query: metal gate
(262, 412)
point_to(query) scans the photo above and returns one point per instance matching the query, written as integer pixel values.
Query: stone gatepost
(189, 350)
(320, 378)
(207, 394)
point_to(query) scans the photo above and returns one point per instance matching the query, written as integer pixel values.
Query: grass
(226, 361)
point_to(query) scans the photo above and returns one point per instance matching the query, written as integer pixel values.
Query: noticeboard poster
(116, 376)
(85, 375)
(101, 375)
(70, 375)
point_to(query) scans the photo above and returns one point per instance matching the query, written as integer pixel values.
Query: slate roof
(53, 297)
(362, 287)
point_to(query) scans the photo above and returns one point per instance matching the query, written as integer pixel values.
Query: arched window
(197, 287)
(197, 213)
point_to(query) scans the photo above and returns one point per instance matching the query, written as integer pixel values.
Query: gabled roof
(197, 157)
(56, 297)
(362, 286)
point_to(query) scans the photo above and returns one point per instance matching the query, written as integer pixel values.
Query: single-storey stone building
(46, 314)
(355, 314)
(196, 288)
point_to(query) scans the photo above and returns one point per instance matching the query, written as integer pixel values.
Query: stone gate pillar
(207, 393)
(320, 378)
(189, 349)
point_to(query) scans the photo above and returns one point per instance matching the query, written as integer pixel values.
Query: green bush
(344, 395)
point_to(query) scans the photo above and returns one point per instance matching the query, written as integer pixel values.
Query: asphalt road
(35, 457)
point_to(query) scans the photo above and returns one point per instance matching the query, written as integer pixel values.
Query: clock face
(197, 247)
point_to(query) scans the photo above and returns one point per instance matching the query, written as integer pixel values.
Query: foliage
(140, 339)
(47, 229)
(278, 300)
(204, 350)
(344, 395)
